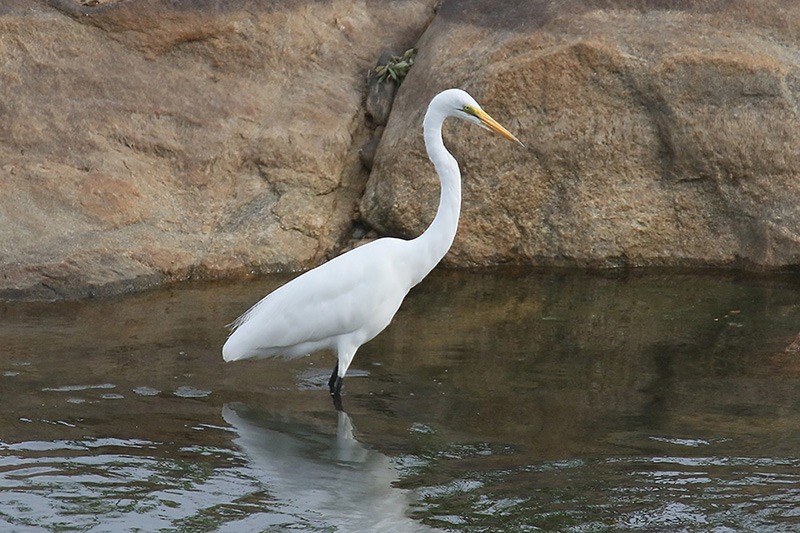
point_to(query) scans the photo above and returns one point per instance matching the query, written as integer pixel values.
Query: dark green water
(500, 401)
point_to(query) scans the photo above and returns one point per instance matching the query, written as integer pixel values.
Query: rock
(380, 95)
(147, 141)
(794, 347)
(379, 100)
(152, 140)
(657, 136)
(370, 148)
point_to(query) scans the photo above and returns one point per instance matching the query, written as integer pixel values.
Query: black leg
(337, 389)
(334, 375)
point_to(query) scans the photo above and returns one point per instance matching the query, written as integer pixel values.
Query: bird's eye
(468, 109)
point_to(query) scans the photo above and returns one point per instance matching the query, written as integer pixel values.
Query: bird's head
(461, 105)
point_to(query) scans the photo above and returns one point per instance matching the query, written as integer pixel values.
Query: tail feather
(236, 347)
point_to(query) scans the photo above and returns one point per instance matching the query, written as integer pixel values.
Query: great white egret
(347, 301)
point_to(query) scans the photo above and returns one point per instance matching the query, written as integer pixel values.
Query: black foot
(337, 402)
(332, 381)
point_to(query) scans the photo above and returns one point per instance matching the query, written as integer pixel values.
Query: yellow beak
(491, 124)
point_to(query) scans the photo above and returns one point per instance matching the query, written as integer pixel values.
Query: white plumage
(347, 301)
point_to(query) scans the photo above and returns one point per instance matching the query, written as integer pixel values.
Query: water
(496, 401)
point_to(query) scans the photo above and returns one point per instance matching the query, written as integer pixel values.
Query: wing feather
(340, 297)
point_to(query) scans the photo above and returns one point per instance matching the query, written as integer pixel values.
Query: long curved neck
(430, 247)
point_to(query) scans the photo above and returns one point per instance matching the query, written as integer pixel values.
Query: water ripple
(662, 493)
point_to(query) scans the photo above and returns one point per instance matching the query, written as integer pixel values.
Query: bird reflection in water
(330, 481)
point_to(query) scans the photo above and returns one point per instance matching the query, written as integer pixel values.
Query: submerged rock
(656, 136)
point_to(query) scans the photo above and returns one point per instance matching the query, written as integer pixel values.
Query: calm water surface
(499, 401)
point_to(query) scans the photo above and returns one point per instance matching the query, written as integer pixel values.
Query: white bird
(347, 301)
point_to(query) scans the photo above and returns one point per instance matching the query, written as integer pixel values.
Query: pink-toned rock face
(153, 140)
(656, 136)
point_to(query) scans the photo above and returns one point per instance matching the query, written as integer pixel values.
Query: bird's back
(354, 295)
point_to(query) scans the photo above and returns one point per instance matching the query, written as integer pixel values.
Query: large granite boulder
(143, 141)
(659, 133)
